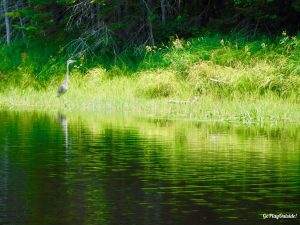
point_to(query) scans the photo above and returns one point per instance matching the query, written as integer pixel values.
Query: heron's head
(70, 61)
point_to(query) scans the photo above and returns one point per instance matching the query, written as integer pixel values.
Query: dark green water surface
(89, 169)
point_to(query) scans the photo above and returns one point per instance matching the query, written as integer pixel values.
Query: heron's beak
(71, 61)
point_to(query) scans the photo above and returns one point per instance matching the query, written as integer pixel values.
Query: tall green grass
(222, 67)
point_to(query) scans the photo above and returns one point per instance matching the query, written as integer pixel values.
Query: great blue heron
(64, 87)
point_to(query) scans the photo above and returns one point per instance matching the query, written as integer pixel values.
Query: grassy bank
(231, 78)
(110, 98)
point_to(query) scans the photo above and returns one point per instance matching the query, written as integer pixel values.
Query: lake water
(88, 169)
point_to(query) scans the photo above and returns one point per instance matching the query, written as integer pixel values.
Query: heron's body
(64, 87)
(61, 90)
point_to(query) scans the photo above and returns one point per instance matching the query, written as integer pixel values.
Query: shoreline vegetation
(209, 78)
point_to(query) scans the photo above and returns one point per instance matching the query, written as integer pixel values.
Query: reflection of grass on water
(210, 164)
(176, 131)
(172, 131)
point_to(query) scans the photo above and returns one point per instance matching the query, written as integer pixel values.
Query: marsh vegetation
(245, 80)
(141, 55)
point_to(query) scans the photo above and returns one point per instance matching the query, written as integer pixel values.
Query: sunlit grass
(233, 79)
(120, 97)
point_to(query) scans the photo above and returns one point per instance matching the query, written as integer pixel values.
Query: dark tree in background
(120, 24)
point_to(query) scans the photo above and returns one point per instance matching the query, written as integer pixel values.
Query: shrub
(156, 84)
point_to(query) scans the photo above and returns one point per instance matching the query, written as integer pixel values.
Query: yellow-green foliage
(91, 80)
(209, 65)
(155, 84)
(206, 77)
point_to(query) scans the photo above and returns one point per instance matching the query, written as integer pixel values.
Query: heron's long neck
(67, 76)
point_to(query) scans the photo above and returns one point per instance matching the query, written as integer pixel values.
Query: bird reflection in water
(64, 124)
